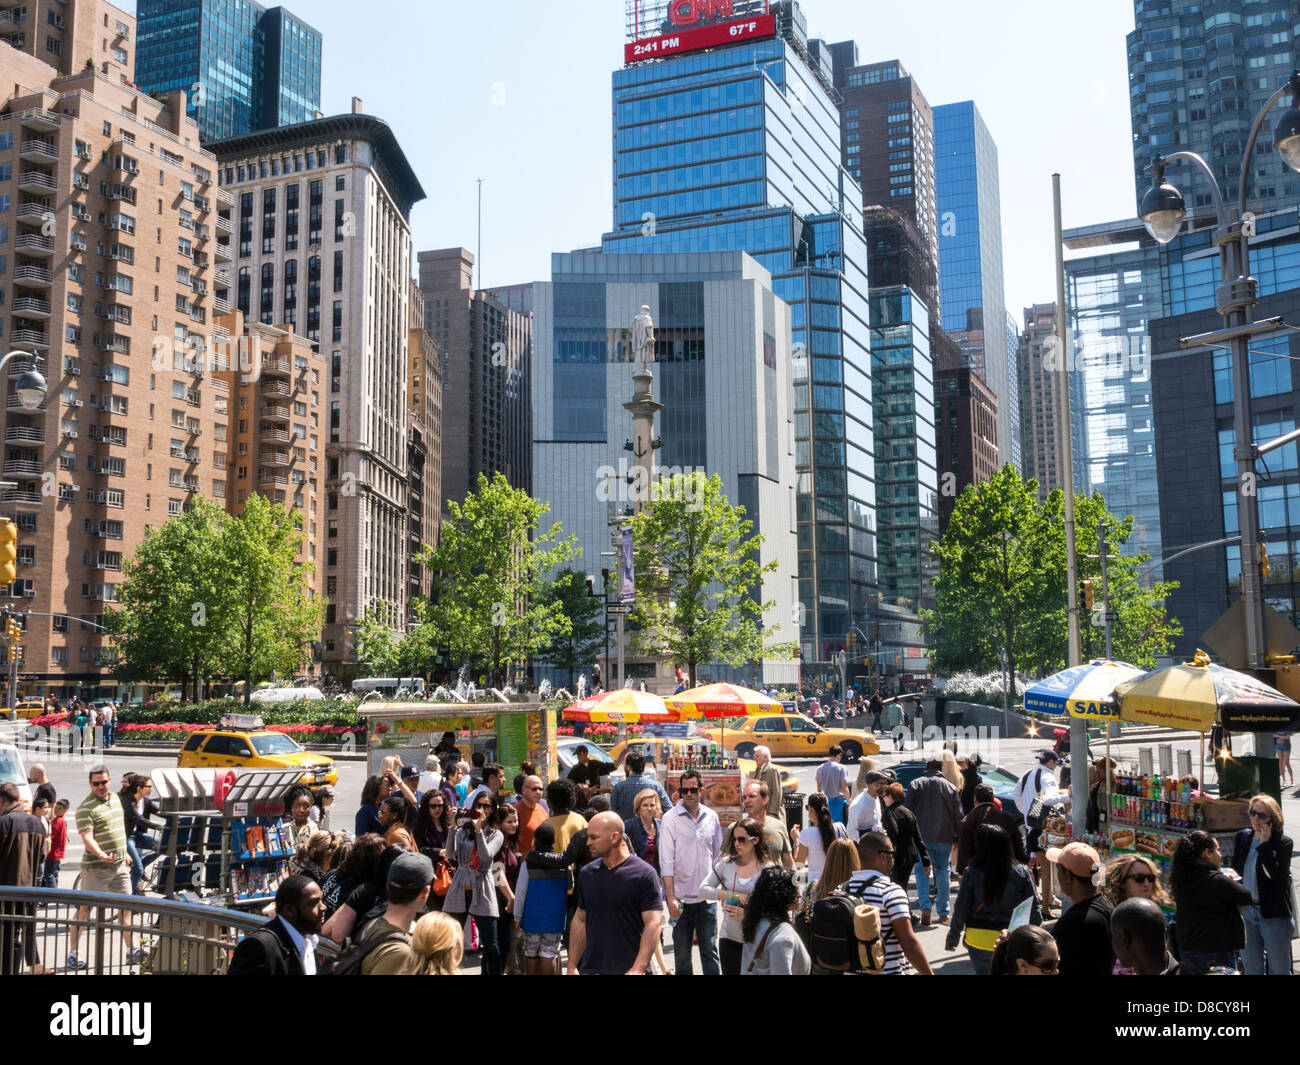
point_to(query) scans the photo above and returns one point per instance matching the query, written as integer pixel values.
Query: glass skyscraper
(739, 148)
(244, 66)
(970, 254)
(1198, 74)
(907, 480)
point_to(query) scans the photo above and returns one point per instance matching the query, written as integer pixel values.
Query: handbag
(980, 938)
(442, 877)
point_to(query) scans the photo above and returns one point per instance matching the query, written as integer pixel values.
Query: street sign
(619, 608)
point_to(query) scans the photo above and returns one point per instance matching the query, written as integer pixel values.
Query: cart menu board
(721, 790)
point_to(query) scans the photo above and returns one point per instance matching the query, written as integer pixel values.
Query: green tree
(377, 644)
(585, 639)
(1002, 583)
(270, 619)
(698, 578)
(992, 576)
(487, 603)
(167, 624)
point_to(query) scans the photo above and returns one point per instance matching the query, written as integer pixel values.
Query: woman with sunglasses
(732, 881)
(1133, 876)
(1262, 858)
(473, 888)
(1028, 950)
(1209, 929)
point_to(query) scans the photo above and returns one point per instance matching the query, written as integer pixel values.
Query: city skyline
(516, 94)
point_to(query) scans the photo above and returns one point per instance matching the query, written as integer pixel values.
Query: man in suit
(285, 945)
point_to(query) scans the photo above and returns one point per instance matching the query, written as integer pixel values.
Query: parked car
(567, 745)
(793, 736)
(12, 771)
(1002, 781)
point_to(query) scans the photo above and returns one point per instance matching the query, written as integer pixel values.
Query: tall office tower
(486, 354)
(1111, 298)
(100, 180)
(965, 423)
(424, 448)
(355, 271)
(888, 142)
(736, 146)
(1198, 75)
(970, 251)
(67, 36)
(722, 370)
(245, 67)
(1041, 415)
(1013, 384)
(907, 483)
(270, 366)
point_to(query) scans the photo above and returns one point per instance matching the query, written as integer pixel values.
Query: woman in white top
(732, 881)
(772, 946)
(812, 843)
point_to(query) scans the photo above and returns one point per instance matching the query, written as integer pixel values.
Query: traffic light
(851, 640)
(8, 551)
(1087, 594)
(1264, 567)
(13, 633)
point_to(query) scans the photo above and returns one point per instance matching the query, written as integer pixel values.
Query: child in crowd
(541, 903)
(58, 846)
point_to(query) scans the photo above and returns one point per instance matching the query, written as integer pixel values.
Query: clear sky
(518, 93)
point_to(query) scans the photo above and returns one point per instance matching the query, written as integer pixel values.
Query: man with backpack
(1040, 784)
(872, 885)
(383, 946)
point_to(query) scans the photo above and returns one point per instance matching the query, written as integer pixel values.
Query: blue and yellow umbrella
(1082, 691)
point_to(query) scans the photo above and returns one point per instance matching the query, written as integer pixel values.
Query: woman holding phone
(732, 881)
(473, 889)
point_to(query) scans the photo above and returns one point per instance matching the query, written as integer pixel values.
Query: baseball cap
(875, 776)
(1047, 754)
(1079, 858)
(410, 871)
(409, 771)
(327, 789)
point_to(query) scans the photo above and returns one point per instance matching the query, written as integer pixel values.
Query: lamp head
(1286, 135)
(31, 387)
(1162, 209)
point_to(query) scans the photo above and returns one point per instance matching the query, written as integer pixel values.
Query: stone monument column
(643, 406)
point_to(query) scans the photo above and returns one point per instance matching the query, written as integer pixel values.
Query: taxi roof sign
(241, 721)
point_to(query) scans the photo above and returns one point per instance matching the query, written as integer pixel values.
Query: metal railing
(118, 934)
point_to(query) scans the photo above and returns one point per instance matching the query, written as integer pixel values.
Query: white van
(388, 686)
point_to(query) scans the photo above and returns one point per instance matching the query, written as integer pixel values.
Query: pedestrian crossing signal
(8, 551)
(1088, 596)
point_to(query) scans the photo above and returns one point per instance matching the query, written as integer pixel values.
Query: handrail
(135, 904)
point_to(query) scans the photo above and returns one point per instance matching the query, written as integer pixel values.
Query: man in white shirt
(864, 811)
(1040, 782)
(690, 844)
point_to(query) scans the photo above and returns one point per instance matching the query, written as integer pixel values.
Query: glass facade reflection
(254, 68)
(907, 482)
(970, 254)
(739, 149)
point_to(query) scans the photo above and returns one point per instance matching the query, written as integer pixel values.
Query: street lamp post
(1162, 211)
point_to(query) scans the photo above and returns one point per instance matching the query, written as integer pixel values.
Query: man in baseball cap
(409, 880)
(864, 811)
(1083, 932)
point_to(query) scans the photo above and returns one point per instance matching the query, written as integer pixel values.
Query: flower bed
(304, 734)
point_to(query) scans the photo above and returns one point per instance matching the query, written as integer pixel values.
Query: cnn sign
(693, 12)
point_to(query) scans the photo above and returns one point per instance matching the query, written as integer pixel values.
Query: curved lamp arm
(1292, 85)
(1193, 157)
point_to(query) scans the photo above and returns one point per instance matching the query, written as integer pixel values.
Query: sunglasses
(743, 839)
(482, 806)
(689, 791)
(1261, 814)
(1142, 878)
(1046, 966)
(99, 783)
(436, 805)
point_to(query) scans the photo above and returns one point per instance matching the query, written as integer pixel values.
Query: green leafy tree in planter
(698, 578)
(585, 639)
(377, 644)
(488, 599)
(269, 617)
(167, 626)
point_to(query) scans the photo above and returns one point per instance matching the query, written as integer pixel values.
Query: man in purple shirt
(620, 908)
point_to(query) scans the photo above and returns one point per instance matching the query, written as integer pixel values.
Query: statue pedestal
(643, 407)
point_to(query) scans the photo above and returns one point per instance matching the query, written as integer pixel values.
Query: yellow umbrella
(620, 705)
(722, 701)
(1190, 694)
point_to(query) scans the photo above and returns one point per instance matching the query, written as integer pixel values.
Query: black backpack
(844, 935)
(348, 961)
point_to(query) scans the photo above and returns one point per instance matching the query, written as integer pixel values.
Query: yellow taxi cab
(241, 741)
(30, 708)
(658, 749)
(794, 736)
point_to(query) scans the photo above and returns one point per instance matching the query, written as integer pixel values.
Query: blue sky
(518, 93)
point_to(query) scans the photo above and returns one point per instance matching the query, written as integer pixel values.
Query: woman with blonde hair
(842, 862)
(865, 766)
(438, 944)
(951, 770)
(1133, 876)
(1262, 858)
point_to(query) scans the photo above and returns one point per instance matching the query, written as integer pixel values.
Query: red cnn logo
(689, 12)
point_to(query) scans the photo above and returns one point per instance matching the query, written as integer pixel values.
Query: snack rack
(1149, 812)
(230, 848)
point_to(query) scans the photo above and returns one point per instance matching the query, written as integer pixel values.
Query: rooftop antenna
(478, 254)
